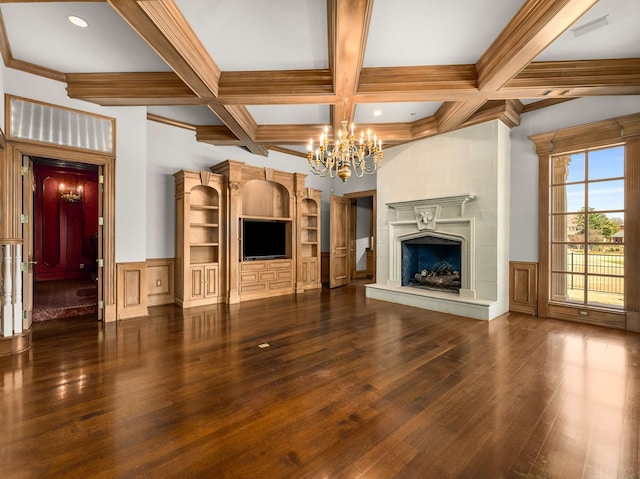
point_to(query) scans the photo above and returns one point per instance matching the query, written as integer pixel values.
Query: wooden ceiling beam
(543, 104)
(536, 25)
(288, 151)
(575, 74)
(442, 79)
(348, 30)
(157, 88)
(216, 135)
(288, 134)
(277, 87)
(392, 133)
(451, 115)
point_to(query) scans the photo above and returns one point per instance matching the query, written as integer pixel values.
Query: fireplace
(452, 187)
(432, 262)
(432, 258)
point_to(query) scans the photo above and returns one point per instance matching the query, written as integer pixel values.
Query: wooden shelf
(205, 225)
(268, 218)
(204, 207)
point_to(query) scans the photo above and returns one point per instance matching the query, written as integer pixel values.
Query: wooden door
(28, 188)
(339, 241)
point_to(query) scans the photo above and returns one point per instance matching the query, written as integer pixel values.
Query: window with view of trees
(587, 227)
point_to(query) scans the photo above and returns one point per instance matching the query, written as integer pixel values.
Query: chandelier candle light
(345, 154)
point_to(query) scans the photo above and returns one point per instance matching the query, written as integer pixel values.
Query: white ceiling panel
(44, 36)
(394, 112)
(193, 115)
(285, 114)
(246, 35)
(433, 32)
(619, 38)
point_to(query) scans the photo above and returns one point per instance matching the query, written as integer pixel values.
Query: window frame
(618, 131)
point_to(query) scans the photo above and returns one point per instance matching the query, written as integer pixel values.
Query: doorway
(363, 237)
(65, 239)
(352, 227)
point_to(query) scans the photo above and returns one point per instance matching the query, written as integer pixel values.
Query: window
(589, 223)
(587, 228)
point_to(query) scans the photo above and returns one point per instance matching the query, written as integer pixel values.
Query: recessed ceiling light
(77, 21)
(377, 113)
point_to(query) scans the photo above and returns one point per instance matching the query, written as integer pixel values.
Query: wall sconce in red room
(70, 195)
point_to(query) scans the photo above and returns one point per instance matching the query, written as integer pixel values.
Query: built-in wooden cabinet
(199, 237)
(309, 240)
(265, 195)
(243, 233)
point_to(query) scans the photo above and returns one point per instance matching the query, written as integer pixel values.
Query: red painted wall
(62, 231)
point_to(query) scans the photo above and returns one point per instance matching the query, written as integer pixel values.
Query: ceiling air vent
(590, 26)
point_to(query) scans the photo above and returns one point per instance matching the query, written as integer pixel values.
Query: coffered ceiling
(271, 74)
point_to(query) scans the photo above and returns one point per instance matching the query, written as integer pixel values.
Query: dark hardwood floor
(347, 388)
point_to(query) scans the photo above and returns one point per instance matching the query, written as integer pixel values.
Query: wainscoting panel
(160, 281)
(324, 267)
(132, 293)
(523, 287)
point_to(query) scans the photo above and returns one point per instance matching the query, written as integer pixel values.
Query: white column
(17, 305)
(7, 316)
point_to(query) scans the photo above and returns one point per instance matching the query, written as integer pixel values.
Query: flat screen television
(263, 239)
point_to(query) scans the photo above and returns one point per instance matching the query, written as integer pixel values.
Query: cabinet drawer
(284, 274)
(251, 277)
(268, 275)
(282, 264)
(253, 288)
(280, 284)
(253, 266)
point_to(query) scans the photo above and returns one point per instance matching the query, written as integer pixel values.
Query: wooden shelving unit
(265, 194)
(309, 242)
(199, 237)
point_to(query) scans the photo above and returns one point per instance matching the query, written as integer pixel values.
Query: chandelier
(345, 154)
(70, 195)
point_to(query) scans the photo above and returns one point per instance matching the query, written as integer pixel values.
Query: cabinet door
(197, 286)
(211, 281)
(309, 271)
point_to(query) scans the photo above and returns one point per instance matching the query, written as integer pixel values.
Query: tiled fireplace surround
(454, 186)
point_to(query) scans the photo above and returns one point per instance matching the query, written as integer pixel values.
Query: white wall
(524, 160)
(131, 156)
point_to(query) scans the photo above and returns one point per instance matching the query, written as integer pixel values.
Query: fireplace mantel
(457, 201)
